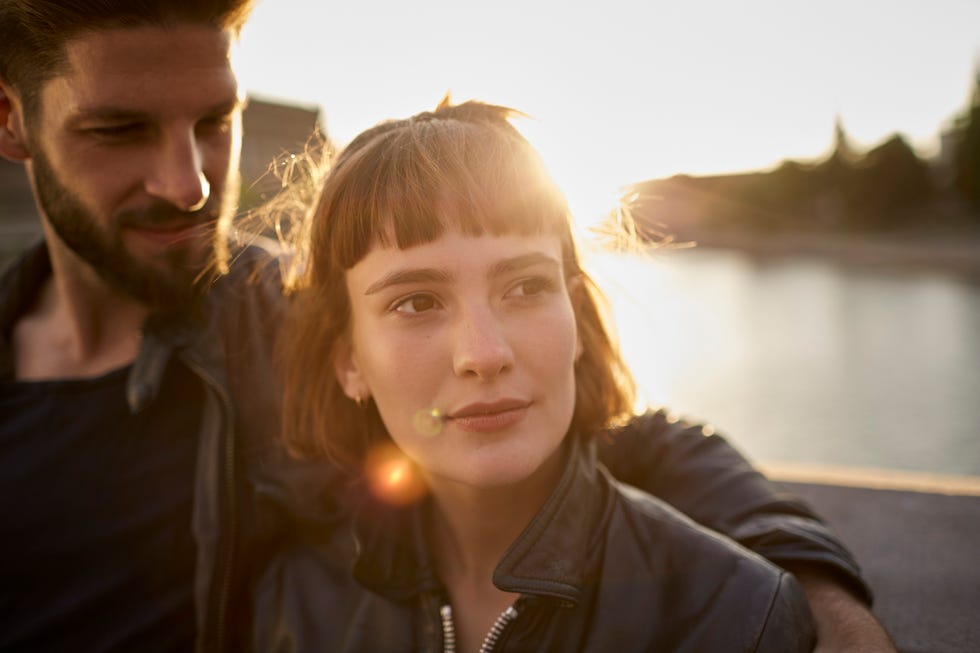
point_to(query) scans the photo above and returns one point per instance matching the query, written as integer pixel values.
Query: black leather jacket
(248, 492)
(245, 484)
(601, 567)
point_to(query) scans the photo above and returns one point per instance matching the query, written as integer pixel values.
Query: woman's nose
(482, 349)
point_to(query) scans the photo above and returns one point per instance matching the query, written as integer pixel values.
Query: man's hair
(462, 168)
(34, 33)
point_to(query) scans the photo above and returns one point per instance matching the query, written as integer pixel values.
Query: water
(806, 360)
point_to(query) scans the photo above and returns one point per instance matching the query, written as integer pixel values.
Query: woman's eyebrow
(409, 276)
(516, 263)
(434, 275)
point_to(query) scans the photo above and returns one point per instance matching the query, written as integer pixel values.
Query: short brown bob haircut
(461, 168)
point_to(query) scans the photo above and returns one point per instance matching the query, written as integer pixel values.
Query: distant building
(272, 131)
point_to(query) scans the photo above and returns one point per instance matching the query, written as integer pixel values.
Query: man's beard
(176, 282)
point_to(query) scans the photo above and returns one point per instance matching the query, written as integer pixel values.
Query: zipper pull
(448, 629)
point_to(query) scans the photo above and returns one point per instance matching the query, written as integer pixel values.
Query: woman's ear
(348, 372)
(13, 140)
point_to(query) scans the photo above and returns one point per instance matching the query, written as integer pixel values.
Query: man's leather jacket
(600, 567)
(248, 491)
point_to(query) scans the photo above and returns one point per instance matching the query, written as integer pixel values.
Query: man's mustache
(164, 214)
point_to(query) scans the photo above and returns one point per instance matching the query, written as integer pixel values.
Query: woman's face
(468, 346)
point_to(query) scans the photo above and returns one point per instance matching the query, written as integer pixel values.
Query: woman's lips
(490, 416)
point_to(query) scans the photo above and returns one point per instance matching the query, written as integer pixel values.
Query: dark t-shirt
(96, 552)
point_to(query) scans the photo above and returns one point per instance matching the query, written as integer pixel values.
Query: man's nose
(482, 348)
(177, 174)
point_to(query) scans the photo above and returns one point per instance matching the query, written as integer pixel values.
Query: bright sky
(626, 90)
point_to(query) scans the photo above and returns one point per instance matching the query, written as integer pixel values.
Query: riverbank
(955, 253)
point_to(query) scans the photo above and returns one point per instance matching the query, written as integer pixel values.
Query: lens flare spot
(392, 477)
(428, 422)
(396, 474)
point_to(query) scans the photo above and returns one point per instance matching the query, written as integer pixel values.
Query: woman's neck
(469, 529)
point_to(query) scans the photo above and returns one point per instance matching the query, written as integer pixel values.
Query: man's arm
(844, 623)
(706, 478)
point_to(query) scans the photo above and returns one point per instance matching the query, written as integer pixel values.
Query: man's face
(134, 155)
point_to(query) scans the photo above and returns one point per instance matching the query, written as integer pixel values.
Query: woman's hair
(461, 168)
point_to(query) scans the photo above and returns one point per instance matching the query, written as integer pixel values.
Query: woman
(444, 314)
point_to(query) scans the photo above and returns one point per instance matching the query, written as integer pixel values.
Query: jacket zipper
(221, 579)
(489, 642)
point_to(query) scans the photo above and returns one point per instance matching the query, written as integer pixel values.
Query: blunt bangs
(416, 181)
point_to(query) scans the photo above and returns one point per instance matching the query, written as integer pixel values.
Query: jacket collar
(19, 288)
(550, 558)
(162, 335)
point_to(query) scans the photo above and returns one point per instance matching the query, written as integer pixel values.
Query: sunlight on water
(806, 361)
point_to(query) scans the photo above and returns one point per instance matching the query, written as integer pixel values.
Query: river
(806, 360)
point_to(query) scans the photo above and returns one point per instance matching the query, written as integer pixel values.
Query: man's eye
(415, 304)
(117, 132)
(220, 123)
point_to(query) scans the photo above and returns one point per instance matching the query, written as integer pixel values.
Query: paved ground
(921, 554)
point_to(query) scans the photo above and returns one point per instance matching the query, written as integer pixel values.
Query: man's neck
(78, 326)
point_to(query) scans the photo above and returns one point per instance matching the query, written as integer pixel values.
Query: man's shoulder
(20, 283)
(252, 281)
(665, 539)
(735, 595)
(258, 261)
(25, 272)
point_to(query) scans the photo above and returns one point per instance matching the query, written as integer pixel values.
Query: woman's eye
(531, 287)
(416, 304)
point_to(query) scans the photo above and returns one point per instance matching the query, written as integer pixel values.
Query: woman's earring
(359, 400)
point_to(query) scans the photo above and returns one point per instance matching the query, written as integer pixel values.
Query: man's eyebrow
(227, 106)
(116, 114)
(107, 114)
(409, 276)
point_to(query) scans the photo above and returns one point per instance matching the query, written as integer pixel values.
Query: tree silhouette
(890, 182)
(967, 150)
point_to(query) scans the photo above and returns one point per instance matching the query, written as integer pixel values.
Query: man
(137, 400)
(130, 136)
